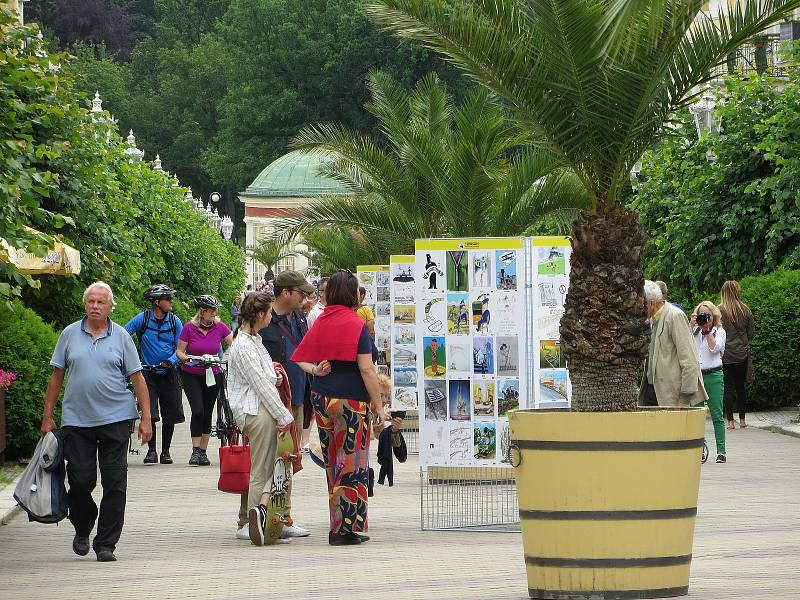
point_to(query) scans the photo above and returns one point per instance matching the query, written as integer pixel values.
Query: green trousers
(714, 389)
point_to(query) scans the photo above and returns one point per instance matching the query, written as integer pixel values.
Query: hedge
(26, 346)
(775, 302)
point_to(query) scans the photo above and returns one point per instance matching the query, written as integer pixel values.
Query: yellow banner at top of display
(401, 258)
(550, 241)
(362, 268)
(470, 244)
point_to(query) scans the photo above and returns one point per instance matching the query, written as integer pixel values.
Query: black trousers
(165, 391)
(84, 449)
(734, 375)
(201, 400)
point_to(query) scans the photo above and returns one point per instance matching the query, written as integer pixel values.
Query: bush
(26, 346)
(774, 300)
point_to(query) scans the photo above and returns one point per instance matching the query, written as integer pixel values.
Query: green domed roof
(295, 175)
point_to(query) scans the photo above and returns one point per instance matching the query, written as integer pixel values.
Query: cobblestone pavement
(179, 541)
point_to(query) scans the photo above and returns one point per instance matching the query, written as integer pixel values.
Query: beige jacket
(676, 364)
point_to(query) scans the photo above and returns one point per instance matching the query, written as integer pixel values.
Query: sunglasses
(304, 294)
(348, 271)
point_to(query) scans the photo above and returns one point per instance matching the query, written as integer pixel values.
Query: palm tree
(595, 81)
(269, 252)
(335, 247)
(440, 170)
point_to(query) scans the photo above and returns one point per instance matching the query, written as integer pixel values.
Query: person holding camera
(709, 337)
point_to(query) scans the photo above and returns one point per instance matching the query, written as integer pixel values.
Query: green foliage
(440, 170)
(26, 346)
(735, 216)
(774, 299)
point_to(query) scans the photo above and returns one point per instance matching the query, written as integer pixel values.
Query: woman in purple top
(204, 334)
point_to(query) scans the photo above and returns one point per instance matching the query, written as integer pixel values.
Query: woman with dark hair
(257, 409)
(338, 353)
(737, 320)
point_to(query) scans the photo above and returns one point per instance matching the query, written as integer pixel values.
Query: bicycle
(133, 429)
(226, 424)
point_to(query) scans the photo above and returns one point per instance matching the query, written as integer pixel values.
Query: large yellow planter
(608, 501)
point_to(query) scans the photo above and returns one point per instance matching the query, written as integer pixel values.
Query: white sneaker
(294, 530)
(244, 532)
(304, 449)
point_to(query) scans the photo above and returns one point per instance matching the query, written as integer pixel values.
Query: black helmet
(207, 301)
(158, 291)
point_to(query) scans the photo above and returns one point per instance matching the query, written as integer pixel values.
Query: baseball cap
(294, 279)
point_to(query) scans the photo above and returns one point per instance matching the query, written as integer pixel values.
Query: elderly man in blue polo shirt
(97, 355)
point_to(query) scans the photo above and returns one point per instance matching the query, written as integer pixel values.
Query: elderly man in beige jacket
(672, 376)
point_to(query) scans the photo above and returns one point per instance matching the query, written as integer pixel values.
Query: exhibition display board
(486, 323)
(375, 279)
(402, 292)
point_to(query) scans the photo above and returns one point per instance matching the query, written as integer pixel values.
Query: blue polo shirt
(158, 342)
(97, 369)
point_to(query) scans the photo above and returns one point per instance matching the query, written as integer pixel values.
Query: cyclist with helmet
(204, 334)
(158, 330)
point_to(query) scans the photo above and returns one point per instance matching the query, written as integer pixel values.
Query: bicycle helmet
(207, 301)
(158, 291)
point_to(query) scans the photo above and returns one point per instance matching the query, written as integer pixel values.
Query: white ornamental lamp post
(97, 109)
(705, 119)
(157, 164)
(215, 198)
(216, 220)
(227, 227)
(135, 155)
(188, 197)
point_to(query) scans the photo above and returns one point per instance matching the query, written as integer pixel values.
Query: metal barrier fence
(410, 431)
(468, 499)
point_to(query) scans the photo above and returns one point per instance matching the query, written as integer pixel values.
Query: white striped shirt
(251, 381)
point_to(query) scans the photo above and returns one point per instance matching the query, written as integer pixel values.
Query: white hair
(652, 291)
(103, 286)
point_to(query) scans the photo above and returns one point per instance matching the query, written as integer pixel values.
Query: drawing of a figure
(432, 270)
(462, 316)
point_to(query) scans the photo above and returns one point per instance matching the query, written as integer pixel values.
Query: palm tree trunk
(604, 330)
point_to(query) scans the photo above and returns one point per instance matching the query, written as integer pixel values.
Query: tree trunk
(604, 330)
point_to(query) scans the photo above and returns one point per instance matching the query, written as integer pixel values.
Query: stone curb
(8, 506)
(781, 430)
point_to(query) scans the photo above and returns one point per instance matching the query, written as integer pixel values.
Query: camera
(702, 319)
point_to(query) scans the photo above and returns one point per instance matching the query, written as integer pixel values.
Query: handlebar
(206, 360)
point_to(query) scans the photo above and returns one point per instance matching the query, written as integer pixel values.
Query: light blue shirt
(97, 369)
(157, 342)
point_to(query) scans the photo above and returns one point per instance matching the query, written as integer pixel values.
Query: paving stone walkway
(179, 541)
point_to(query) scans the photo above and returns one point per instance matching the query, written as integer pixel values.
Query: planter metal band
(609, 594)
(608, 446)
(608, 563)
(608, 515)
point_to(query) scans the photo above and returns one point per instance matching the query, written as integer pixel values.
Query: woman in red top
(203, 335)
(338, 353)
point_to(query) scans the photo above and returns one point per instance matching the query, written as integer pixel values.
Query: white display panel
(375, 279)
(402, 288)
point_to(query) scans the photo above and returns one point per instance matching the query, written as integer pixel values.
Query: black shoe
(194, 459)
(166, 459)
(106, 556)
(203, 458)
(721, 458)
(344, 539)
(80, 545)
(151, 458)
(364, 538)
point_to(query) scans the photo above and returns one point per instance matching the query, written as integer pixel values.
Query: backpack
(173, 327)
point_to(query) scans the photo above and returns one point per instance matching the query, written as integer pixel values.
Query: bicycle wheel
(704, 458)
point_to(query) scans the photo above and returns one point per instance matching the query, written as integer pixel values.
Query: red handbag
(234, 465)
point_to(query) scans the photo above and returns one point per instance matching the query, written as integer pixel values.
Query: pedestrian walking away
(202, 336)
(157, 329)
(97, 355)
(709, 337)
(737, 319)
(286, 329)
(338, 353)
(258, 411)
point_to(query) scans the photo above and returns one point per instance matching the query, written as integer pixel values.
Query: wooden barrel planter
(607, 501)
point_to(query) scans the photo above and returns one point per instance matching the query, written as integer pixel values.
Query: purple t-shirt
(199, 344)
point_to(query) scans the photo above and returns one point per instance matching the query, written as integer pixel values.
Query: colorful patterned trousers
(344, 437)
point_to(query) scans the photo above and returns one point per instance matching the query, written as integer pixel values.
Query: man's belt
(711, 370)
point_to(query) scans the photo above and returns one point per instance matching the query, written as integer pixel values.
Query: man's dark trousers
(84, 448)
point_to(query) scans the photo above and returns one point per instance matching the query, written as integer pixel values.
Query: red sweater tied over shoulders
(334, 336)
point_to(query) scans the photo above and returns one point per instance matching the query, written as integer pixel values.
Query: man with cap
(283, 334)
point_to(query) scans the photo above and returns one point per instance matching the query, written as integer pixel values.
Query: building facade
(286, 184)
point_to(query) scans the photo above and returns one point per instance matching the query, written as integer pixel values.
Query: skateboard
(280, 488)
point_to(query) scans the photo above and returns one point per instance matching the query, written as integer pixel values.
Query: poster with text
(402, 331)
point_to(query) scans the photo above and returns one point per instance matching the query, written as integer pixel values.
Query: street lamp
(135, 155)
(227, 227)
(189, 198)
(705, 120)
(215, 197)
(157, 164)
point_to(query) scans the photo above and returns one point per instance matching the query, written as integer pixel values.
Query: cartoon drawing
(403, 273)
(553, 385)
(481, 316)
(460, 441)
(432, 271)
(484, 440)
(457, 271)
(435, 401)
(434, 324)
(405, 313)
(382, 278)
(506, 269)
(402, 357)
(457, 314)
(550, 355)
(483, 397)
(483, 355)
(508, 396)
(507, 355)
(405, 397)
(481, 276)
(552, 261)
(459, 400)
(458, 358)
(435, 357)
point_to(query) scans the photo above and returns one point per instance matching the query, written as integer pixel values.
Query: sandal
(742, 424)
(731, 425)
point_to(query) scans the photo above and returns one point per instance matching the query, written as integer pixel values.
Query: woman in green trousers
(709, 336)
